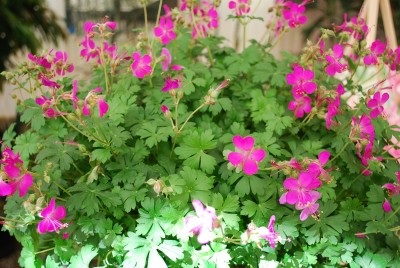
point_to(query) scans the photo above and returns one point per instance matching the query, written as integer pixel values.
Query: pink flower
(300, 106)
(46, 104)
(386, 206)
(164, 109)
(300, 190)
(364, 127)
(203, 223)
(61, 65)
(170, 84)
(240, 7)
(165, 30)
(246, 156)
(376, 104)
(334, 65)
(393, 189)
(299, 79)
(52, 216)
(255, 234)
(377, 49)
(309, 208)
(393, 58)
(141, 66)
(93, 98)
(89, 48)
(316, 168)
(293, 13)
(166, 59)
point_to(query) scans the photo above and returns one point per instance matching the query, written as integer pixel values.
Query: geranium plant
(180, 152)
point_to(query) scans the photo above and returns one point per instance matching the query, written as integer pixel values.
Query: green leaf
(193, 150)
(84, 257)
(27, 144)
(153, 134)
(51, 263)
(101, 155)
(33, 114)
(9, 135)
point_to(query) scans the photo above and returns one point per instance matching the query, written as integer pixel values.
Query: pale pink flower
(246, 156)
(255, 234)
(203, 223)
(141, 66)
(364, 127)
(166, 59)
(51, 218)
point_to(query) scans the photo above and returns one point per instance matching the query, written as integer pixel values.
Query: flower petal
(250, 167)
(244, 144)
(235, 158)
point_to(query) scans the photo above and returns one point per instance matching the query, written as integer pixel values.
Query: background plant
(152, 161)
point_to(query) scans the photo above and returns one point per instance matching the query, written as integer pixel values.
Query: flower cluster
(301, 191)
(13, 175)
(288, 13)
(49, 66)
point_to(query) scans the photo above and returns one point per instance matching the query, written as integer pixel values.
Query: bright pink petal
(198, 207)
(258, 155)
(12, 171)
(250, 167)
(386, 206)
(59, 213)
(49, 209)
(291, 184)
(5, 189)
(292, 197)
(235, 158)
(43, 226)
(24, 184)
(323, 157)
(103, 107)
(244, 144)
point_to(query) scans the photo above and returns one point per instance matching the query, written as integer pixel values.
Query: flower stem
(394, 213)
(191, 115)
(62, 188)
(340, 152)
(45, 250)
(13, 220)
(145, 18)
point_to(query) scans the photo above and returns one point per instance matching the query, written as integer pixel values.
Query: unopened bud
(165, 110)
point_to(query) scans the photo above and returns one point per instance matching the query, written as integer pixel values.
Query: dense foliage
(180, 152)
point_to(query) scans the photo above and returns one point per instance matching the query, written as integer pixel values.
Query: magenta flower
(165, 30)
(300, 106)
(164, 109)
(170, 84)
(51, 218)
(141, 66)
(334, 65)
(46, 104)
(393, 58)
(309, 208)
(91, 99)
(246, 156)
(393, 189)
(376, 104)
(202, 224)
(364, 127)
(293, 13)
(166, 59)
(386, 206)
(377, 49)
(89, 49)
(240, 7)
(300, 190)
(300, 81)
(317, 168)
(61, 65)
